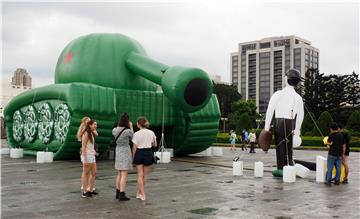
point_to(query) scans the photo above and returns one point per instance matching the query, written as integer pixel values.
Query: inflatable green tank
(102, 76)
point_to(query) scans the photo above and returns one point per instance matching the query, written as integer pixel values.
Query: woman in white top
(252, 139)
(143, 140)
(88, 158)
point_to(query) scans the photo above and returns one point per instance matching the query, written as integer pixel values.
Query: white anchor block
(238, 168)
(302, 171)
(217, 151)
(171, 150)
(40, 157)
(289, 174)
(49, 157)
(163, 156)
(259, 169)
(16, 153)
(5, 151)
(320, 168)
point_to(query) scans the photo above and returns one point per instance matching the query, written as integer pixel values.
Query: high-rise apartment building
(258, 68)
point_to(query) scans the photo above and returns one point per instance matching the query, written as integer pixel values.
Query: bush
(308, 133)
(224, 138)
(244, 122)
(353, 122)
(257, 132)
(323, 123)
(308, 124)
(354, 133)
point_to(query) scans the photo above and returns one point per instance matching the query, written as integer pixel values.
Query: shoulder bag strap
(119, 134)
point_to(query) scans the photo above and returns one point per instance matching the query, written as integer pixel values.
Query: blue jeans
(331, 161)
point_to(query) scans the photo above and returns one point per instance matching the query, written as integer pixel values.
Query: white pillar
(237, 168)
(289, 174)
(259, 169)
(321, 166)
(40, 157)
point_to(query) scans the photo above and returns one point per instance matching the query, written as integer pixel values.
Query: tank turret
(114, 60)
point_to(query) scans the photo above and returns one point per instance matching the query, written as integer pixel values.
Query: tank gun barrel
(188, 88)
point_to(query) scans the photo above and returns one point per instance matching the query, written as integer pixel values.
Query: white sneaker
(141, 197)
(88, 188)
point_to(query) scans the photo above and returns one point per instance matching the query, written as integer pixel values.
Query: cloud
(199, 34)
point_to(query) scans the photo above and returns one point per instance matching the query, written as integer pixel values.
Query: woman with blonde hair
(88, 158)
(123, 134)
(143, 140)
(82, 127)
(79, 133)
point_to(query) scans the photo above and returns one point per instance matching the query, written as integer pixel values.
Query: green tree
(240, 107)
(313, 91)
(334, 92)
(353, 122)
(308, 123)
(353, 90)
(244, 122)
(227, 95)
(323, 123)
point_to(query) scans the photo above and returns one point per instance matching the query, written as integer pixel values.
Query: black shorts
(144, 156)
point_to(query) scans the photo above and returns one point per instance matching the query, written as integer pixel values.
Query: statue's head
(293, 77)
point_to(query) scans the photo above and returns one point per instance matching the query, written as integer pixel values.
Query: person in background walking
(244, 138)
(336, 142)
(143, 140)
(123, 134)
(252, 140)
(233, 139)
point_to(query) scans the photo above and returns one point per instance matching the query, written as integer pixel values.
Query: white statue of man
(289, 113)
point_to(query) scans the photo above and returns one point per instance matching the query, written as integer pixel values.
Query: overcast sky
(199, 34)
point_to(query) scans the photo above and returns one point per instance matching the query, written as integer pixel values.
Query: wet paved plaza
(176, 190)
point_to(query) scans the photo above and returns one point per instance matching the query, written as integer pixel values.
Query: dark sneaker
(94, 193)
(122, 197)
(328, 183)
(345, 181)
(337, 183)
(86, 195)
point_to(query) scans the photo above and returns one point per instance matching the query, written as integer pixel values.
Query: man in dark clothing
(245, 138)
(347, 152)
(336, 142)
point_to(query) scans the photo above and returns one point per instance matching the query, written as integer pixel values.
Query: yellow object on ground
(342, 175)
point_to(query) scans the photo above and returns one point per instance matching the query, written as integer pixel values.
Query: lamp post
(224, 119)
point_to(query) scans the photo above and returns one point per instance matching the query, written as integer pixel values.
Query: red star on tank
(68, 57)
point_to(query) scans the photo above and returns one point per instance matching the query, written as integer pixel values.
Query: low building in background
(20, 82)
(216, 78)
